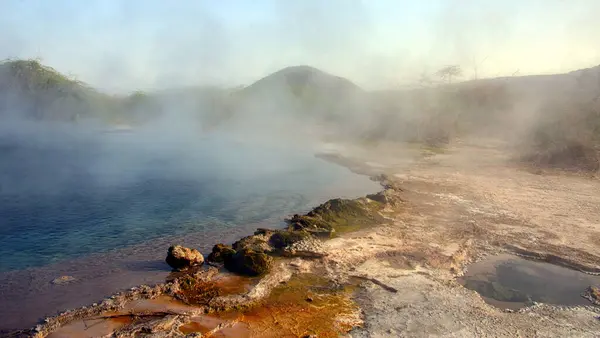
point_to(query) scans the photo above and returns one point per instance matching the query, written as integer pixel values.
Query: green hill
(556, 118)
(34, 91)
(31, 90)
(301, 91)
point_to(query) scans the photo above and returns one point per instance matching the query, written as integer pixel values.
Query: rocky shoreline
(265, 261)
(382, 265)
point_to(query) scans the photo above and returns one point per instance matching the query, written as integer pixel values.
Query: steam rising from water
(220, 156)
(70, 190)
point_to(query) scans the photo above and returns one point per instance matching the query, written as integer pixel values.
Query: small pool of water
(510, 282)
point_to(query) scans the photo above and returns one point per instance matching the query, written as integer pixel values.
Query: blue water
(66, 194)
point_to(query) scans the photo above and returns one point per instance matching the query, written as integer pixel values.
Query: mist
(128, 126)
(118, 93)
(154, 45)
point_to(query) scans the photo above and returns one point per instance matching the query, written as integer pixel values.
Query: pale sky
(120, 46)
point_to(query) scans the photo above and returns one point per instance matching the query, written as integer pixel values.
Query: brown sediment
(306, 305)
(120, 319)
(132, 312)
(232, 284)
(201, 324)
(91, 327)
(202, 292)
(211, 324)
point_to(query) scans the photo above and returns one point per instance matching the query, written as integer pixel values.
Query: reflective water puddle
(510, 282)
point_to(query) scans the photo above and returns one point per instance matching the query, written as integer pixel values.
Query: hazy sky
(129, 44)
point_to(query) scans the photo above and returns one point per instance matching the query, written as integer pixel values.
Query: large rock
(220, 253)
(249, 262)
(258, 242)
(338, 215)
(179, 257)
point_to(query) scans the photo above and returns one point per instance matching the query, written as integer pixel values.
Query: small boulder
(179, 257)
(592, 294)
(249, 262)
(220, 253)
(63, 280)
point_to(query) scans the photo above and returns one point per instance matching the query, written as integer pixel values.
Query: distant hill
(478, 105)
(34, 91)
(551, 120)
(434, 113)
(306, 97)
(301, 79)
(301, 91)
(31, 90)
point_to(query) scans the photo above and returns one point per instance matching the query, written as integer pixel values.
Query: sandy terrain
(459, 206)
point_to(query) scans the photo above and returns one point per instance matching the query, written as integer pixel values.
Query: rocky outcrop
(257, 242)
(220, 253)
(378, 197)
(250, 256)
(338, 215)
(197, 288)
(249, 262)
(245, 261)
(283, 239)
(179, 257)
